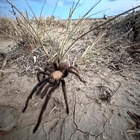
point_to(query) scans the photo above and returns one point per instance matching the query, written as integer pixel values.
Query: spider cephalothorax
(48, 81)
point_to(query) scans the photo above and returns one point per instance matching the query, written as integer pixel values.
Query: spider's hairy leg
(45, 105)
(49, 69)
(75, 73)
(72, 67)
(41, 87)
(55, 65)
(43, 73)
(32, 92)
(65, 74)
(44, 91)
(134, 117)
(65, 95)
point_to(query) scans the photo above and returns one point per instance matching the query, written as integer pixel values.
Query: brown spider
(49, 82)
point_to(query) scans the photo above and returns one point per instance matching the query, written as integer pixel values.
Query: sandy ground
(98, 110)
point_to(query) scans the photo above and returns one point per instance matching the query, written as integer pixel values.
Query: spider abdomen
(56, 75)
(63, 66)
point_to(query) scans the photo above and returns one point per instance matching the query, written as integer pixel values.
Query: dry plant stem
(113, 41)
(74, 30)
(97, 13)
(4, 62)
(30, 26)
(55, 7)
(99, 49)
(31, 10)
(42, 8)
(98, 27)
(98, 39)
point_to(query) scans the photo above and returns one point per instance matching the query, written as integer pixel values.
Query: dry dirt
(98, 110)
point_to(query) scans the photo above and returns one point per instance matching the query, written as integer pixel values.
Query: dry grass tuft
(45, 38)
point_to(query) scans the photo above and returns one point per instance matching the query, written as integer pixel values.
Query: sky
(107, 7)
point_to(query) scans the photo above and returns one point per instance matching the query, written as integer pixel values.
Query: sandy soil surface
(98, 110)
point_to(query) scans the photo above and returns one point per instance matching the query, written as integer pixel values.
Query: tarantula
(48, 81)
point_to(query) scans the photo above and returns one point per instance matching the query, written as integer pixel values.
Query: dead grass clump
(52, 22)
(51, 37)
(7, 27)
(134, 52)
(131, 23)
(20, 30)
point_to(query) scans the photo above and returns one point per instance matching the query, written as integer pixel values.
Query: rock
(8, 118)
